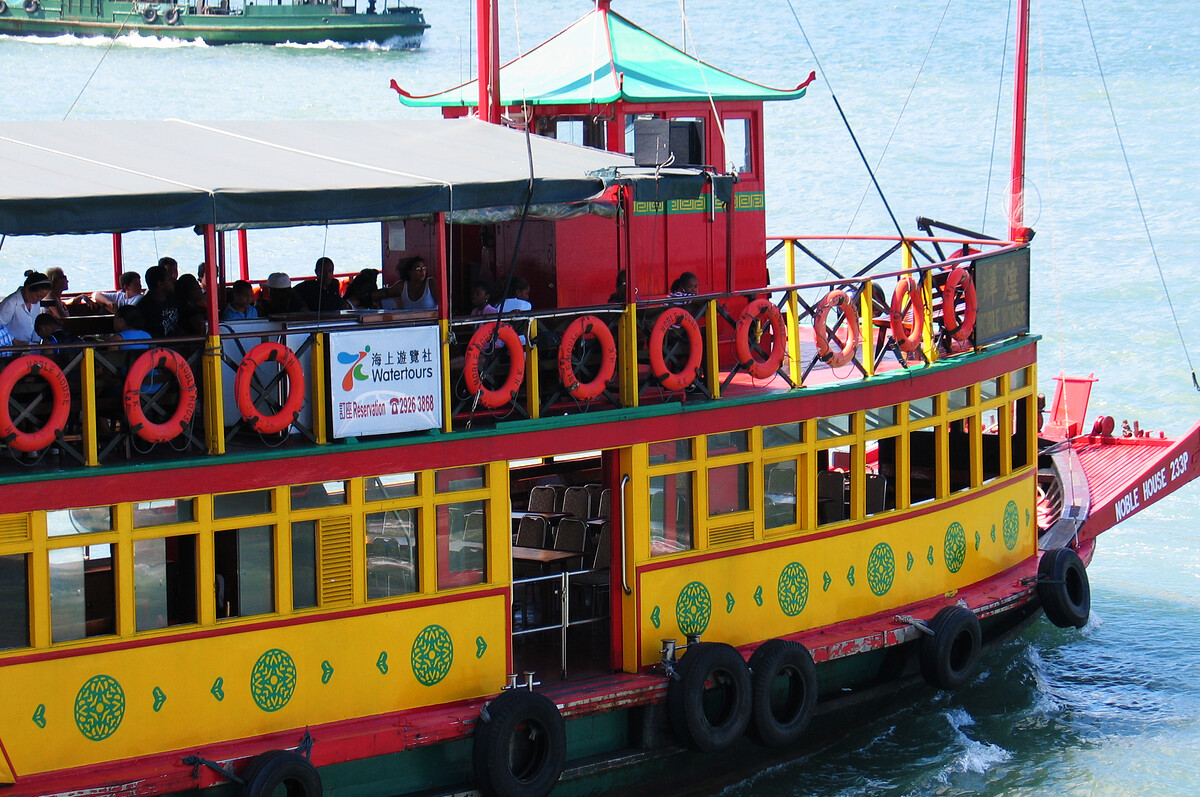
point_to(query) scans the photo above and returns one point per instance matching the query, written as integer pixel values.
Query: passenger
(618, 296)
(192, 309)
(519, 301)
(23, 305)
(686, 285)
(5, 341)
(130, 293)
(241, 303)
(323, 294)
(171, 266)
(58, 284)
(414, 289)
(481, 299)
(159, 310)
(127, 324)
(279, 297)
(50, 329)
(360, 293)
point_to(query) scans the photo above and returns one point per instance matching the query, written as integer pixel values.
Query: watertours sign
(385, 380)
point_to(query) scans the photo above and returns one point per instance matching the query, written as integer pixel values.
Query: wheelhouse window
(738, 151)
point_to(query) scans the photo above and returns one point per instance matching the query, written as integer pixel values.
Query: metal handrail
(624, 583)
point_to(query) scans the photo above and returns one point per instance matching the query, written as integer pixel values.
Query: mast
(1016, 215)
(487, 31)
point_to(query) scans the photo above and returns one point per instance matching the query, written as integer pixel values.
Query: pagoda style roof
(603, 58)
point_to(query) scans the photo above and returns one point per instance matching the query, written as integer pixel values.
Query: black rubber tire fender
(780, 713)
(709, 706)
(267, 772)
(32, 6)
(1063, 588)
(3, 7)
(950, 657)
(172, 16)
(520, 745)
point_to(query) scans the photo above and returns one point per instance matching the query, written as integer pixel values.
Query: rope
(1133, 184)
(103, 55)
(687, 34)
(987, 192)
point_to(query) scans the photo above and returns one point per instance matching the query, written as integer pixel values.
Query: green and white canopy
(603, 58)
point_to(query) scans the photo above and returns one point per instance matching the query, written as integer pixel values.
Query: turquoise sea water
(1114, 709)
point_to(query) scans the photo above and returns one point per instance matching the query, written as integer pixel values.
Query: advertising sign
(385, 380)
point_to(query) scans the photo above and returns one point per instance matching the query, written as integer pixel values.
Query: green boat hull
(255, 24)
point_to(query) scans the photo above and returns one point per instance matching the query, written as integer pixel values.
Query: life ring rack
(60, 401)
(173, 362)
(481, 342)
(839, 299)
(682, 379)
(587, 326)
(956, 329)
(907, 337)
(265, 352)
(764, 312)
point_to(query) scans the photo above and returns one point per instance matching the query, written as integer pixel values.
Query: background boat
(219, 21)
(1113, 709)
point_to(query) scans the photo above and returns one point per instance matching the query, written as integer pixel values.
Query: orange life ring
(959, 330)
(836, 298)
(587, 326)
(764, 312)
(60, 399)
(682, 379)
(908, 336)
(480, 343)
(265, 352)
(169, 360)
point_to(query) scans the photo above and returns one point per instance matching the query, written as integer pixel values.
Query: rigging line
(687, 34)
(987, 192)
(103, 55)
(846, 121)
(1133, 184)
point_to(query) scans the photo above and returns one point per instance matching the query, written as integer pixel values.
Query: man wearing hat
(23, 305)
(279, 298)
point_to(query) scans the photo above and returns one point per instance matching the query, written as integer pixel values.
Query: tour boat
(218, 22)
(427, 551)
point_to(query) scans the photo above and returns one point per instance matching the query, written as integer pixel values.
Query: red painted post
(487, 31)
(243, 255)
(118, 260)
(210, 264)
(1016, 210)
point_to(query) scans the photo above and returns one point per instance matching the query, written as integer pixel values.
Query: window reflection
(391, 553)
(164, 582)
(245, 571)
(82, 592)
(670, 513)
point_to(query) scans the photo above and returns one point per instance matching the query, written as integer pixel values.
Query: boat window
(738, 158)
(779, 498)
(82, 592)
(671, 451)
(164, 581)
(1018, 379)
(960, 454)
(922, 409)
(670, 513)
(462, 543)
(687, 141)
(728, 489)
(834, 427)
(569, 129)
(882, 474)
(14, 601)
(394, 485)
(630, 121)
(923, 465)
(314, 496)
(163, 513)
(728, 443)
(245, 568)
(471, 477)
(304, 564)
(1022, 440)
(881, 418)
(79, 521)
(230, 505)
(391, 553)
(783, 435)
(989, 389)
(990, 421)
(959, 399)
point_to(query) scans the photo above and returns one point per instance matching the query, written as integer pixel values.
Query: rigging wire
(987, 192)
(103, 55)
(845, 121)
(1136, 197)
(687, 34)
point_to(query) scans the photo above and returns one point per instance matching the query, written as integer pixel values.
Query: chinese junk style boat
(422, 551)
(219, 22)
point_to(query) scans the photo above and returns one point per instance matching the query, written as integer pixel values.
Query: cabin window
(241, 504)
(671, 451)
(14, 601)
(881, 418)
(779, 497)
(989, 389)
(392, 553)
(788, 434)
(164, 581)
(922, 409)
(321, 494)
(304, 562)
(834, 427)
(79, 521)
(883, 471)
(671, 516)
(395, 485)
(687, 141)
(245, 570)
(471, 477)
(738, 157)
(1018, 379)
(960, 453)
(462, 543)
(728, 443)
(923, 465)
(163, 513)
(835, 484)
(959, 399)
(990, 422)
(82, 592)
(728, 489)
(1022, 439)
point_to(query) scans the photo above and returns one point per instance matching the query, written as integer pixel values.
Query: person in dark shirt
(279, 297)
(321, 295)
(50, 329)
(159, 310)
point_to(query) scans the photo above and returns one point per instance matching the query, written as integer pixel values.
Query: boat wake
(132, 40)
(394, 43)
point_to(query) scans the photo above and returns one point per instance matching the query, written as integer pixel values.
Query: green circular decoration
(693, 609)
(954, 549)
(99, 707)
(273, 680)
(793, 589)
(881, 568)
(432, 654)
(1012, 525)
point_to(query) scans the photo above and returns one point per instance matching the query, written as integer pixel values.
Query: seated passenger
(686, 285)
(360, 293)
(279, 297)
(618, 295)
(481, 299)
(241, 303)
(193, 313)
(414, 289)
(127, 324)
(130, 293)
(57, 306)
(50, 329)
(20, 307)
(518, 302)
(321, 295)
(159, 310)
